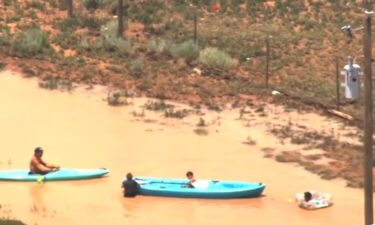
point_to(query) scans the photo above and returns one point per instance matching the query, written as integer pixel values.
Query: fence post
(267, 59)
(120, 16)
(337, 84)
(70, 8)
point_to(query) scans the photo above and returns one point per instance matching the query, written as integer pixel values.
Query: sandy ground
(79, 130)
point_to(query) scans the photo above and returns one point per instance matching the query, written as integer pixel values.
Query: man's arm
(50, 166)
(40, 166)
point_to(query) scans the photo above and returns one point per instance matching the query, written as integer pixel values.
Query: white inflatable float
(319, 200)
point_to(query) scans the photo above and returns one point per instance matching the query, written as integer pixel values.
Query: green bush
(94, 4)
(136, 67)
(109, 29)
(90, 4)
(149, 13)
(62, 4)
(31, 42)
(53, 3)
(110, 42)
(10, 222)
(173, 24)
(188, 50)
(4, 36)
(67, 25)
(85, 43)
(90, 22)
(36, 5)
(122, 45)
(14, 19)
(7, 2)
(157, 46)
(66, 40)
(213, 57)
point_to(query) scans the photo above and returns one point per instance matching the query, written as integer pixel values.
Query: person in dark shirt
(130, 186)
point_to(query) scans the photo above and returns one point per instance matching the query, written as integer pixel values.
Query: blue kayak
(202, 188)
(61, 174)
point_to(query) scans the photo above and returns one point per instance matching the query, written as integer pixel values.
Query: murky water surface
(81, 131)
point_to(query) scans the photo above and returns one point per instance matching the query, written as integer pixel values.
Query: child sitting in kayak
(191, 179)
(38, 166)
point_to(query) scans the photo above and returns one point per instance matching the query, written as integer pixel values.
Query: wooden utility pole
(120, 15)
(267, 59)
(368, 120)
(337, 84)
(70, 8)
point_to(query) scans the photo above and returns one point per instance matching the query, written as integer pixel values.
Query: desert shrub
(173, 24)
(158, 105)
(90, 4)
(213, 57)
(110, 42)
(118, 98)
(62, 4)
(179, 114)
(4, 36)
(157, 46)
(105, 2)
(10, 222)
(15, 18)
(90, 22)
(89, 44)
(113, 44)
(188, 50)
(200, 2)
(109, 29)
(136, 67)
(66, 40)
(52, 3)
(31, 42)
(85, 43)
(201, 131)
(73, 61)
(147, 13)
(94, 4)
(36, 5)
(124, 46)
(67, 25)
(7, 2)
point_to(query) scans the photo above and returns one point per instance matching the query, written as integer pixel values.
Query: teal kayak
(202, 188)
(62, 174)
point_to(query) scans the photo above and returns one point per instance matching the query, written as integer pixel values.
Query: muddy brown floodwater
(80, 131)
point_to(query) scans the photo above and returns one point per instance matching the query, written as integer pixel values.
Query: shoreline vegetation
(158, 54)
(11, 222)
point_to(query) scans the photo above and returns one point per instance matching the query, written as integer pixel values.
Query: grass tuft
(31, 42)
(213, 57)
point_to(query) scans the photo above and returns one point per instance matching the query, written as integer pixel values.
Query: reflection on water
(37, 200)
(81, 131)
